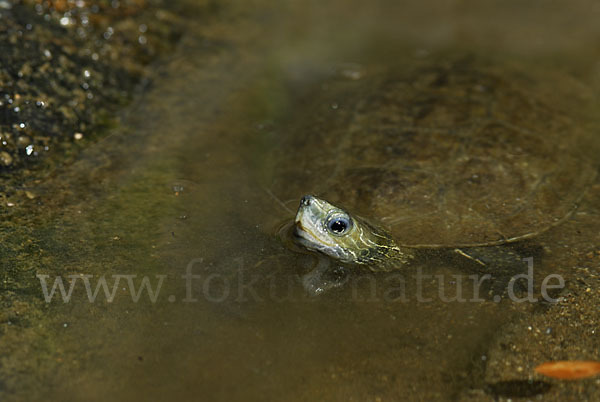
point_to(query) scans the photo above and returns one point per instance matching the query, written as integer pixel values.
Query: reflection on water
(188, 211)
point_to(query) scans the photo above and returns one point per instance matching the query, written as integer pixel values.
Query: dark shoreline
(65, 74)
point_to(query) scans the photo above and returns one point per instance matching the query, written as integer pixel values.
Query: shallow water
(182, 189)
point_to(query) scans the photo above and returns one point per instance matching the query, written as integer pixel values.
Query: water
(180, 190)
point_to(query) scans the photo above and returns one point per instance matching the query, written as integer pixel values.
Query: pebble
(5, 159)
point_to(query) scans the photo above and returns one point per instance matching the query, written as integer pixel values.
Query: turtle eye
(338, 225)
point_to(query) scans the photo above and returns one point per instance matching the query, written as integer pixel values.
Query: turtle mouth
(301, 238)
(305, 237)
(300, 233)
(297, 233)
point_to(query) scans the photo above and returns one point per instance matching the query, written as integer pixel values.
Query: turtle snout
(306, 200)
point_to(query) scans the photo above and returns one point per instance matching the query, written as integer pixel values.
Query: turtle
(441, 152)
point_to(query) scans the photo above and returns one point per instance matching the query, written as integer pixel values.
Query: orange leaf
(569, 370)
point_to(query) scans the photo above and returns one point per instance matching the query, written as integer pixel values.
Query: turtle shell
(444, 153)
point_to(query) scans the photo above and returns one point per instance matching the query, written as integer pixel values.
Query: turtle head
(323, 227)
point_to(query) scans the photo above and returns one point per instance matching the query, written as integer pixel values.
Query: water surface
(183, 189)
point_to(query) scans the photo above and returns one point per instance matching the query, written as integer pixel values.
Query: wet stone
(5, 159)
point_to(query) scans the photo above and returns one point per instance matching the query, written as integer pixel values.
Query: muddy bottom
(166, 237)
